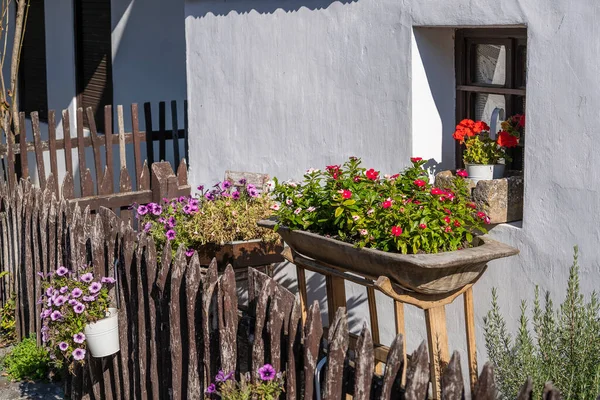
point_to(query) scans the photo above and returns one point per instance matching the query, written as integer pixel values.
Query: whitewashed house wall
(280, 86)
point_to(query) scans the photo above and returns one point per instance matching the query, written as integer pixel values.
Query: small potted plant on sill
(77, 316)
(424, 238)
(216, 223)
(484, 157)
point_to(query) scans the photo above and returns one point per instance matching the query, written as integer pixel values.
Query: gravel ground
(27, 390)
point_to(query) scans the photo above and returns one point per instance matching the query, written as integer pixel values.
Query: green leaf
(338, 211)
(349, 202)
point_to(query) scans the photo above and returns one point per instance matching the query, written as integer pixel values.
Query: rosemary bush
(563, 347)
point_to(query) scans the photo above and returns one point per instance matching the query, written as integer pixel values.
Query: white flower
(363, 232)
(291, 183)
(311, 209)
(288, 202)
(297, 210)
(299, 195)
(355, 217)
(312, 170)
(370, 211)
(275, 207)
(270, 186)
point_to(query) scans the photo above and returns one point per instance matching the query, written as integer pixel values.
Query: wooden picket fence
(99, 189)
(179, 323)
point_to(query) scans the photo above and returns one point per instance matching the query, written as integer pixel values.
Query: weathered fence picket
(178, 322)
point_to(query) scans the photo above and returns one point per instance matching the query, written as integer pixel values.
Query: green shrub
(7, 322)
(27, 361)
(564, 346)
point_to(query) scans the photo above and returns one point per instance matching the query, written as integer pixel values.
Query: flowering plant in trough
(69, 302)
(268, 387)
(222, 214)
(480, 147)
(398, 213)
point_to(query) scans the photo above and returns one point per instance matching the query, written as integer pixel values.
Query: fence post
(164, 182)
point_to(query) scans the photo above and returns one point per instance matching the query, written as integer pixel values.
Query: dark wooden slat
(67, 142)
(336, 356)
(452, 380)
(142, 297)
(137, 153)
(162, 118)
(294, 329)
(228, 320)
(39, 155)
(313, 332)
(23, 146)
(417, 374)
(363, 374)
(125, 187)
(175, 130)
(177, 271)
(208, 326)
(526, 392)
(83, 180)
(193, 293)
(108, 179)
(95, 147)
(149, 141)
(52, 145)
(393, 366)
(485, 388)
(10, 140)
(490, 89)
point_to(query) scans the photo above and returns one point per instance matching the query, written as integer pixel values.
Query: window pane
(484, 105)
(490, 64)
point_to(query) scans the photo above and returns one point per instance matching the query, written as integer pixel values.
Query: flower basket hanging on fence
(102, 336)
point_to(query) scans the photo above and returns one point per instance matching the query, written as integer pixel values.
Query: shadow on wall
(200, 8)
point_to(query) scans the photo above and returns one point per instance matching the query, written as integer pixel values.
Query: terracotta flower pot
(438, 273)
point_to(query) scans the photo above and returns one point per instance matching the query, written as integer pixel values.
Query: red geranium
(386, 204)
(415, 159)
(420, 182)
(346, 194)
(396, 231)
(507, 140)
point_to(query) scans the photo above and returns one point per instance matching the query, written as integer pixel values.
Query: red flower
(372, 174)
(447, 220)
(480, 126)
(522, 121)
(386, 204)
(346, 194)
(437, 191)
(448, 229)
(334, 170)
(471, 205)
(422, 226)
(456, 223)
(415, 159)
(507, 140)
(481, 215)
(420, 182)
(447, 211)
(462, 173)
(396, 231)
(394, 176)
(357, 178)
(417, 202)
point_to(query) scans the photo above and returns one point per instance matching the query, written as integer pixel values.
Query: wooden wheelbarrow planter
(427, 281)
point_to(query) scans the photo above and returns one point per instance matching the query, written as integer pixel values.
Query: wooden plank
(526, 392)
(417, 375)
(294, 342)
(437, 341)
(400, 329)
(122, 150)
(374, 319)
(149, 138)
(125, 187)
(452, 379)
(336, 295)
(486, 388)
(262, 307)
(95, 147)
(363, 372)
(302, 291)
(470, 331)
(175, 131)
(143, 329)
(66, 123)
(137, 153)
(193, 293)
(52, 145)
(393, 366)
(114, 200)
(228, 320)
(23, 146)
(208, 325)
(108, 179)
(37, 247)
(336, 356)
(313, 332)
(39, 155)
(280, 309)
(144, 179)
(162, 118)
(125, 312)
(68, 187)
(85, 177)
(186, 131)
(10, 141)
(29, 295)
(177, 271)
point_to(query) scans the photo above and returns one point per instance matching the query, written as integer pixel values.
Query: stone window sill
(501, 199)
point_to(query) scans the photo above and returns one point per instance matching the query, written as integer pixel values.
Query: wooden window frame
(514, 84)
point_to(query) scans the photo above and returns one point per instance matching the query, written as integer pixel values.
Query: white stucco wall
(279, 87)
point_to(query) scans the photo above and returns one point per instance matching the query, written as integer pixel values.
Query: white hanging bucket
(102, 336)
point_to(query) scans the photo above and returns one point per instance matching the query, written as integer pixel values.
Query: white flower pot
(485, 172)
(102, 336)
